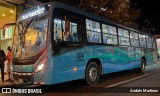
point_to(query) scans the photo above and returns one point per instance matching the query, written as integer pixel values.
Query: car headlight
(41, 65)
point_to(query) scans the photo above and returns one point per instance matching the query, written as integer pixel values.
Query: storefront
(7, 15)
(9, 11)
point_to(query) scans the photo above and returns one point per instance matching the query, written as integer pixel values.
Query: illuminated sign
(6, 33)
(33, 13)
(38, 10)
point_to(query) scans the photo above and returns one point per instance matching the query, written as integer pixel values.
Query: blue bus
(55, 43)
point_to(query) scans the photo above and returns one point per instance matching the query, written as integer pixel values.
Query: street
(120, 83)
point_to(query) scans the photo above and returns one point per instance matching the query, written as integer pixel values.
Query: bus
(55, 43)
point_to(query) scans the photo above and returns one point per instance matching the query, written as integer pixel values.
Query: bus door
(67, 43)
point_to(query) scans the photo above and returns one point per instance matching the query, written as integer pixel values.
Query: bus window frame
(137, 39)
(145, 40)
(102, 42)
(123, 36)
(86, 40)
(113, 25)
(110, 34)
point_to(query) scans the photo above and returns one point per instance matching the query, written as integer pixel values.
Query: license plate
(20, 80)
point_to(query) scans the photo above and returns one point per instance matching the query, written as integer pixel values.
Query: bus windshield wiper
(24, 30)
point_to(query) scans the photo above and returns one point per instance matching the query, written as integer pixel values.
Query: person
(109, 41)
(9, 58)
(68, 36)
(2, 60)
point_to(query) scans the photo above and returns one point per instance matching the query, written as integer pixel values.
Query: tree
(116, 10)
(95, 6)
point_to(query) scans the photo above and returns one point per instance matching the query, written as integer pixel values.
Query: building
(10, 10)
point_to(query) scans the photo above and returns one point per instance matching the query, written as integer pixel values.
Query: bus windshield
(30, 36)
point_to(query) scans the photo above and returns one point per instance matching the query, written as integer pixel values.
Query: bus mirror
(67, 25)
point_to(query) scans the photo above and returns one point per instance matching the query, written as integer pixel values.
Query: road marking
(113, 85)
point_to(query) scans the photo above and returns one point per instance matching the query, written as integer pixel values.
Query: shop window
(6, 33)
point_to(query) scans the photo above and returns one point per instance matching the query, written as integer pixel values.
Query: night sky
(150, 11)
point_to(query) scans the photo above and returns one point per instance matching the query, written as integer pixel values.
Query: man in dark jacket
(2, 59)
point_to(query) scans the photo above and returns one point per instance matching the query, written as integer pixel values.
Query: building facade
(10, 10)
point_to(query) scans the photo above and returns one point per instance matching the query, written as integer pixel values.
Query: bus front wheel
(92, 74)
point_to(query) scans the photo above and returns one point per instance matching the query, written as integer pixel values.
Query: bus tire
(92, 74)
(142, 67)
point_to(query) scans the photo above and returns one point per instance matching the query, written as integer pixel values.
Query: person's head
(9, 48)
(66, 33)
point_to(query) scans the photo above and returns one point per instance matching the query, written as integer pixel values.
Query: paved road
(110, 85)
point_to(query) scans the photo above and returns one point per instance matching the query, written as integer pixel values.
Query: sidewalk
(6, 83)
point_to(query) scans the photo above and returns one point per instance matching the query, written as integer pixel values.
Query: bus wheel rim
(92, 73)
(143, 66)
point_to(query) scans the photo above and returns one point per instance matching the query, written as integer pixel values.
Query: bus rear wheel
(92, 74)
(142, 67)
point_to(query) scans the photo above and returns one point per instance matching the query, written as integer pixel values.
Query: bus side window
(93, 31)
(58, 30)
(109, 34)
(70, 35)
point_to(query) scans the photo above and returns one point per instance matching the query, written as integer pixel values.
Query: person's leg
(2, 72)
(11, 75)
(8, 70)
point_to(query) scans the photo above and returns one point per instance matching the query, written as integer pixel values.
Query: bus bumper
(39, 78)
(26, 78)
(23, 77)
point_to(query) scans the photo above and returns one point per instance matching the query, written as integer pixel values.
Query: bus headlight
(40, 67)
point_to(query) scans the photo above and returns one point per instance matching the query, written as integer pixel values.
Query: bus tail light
(41, 65)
